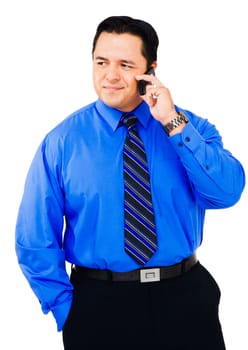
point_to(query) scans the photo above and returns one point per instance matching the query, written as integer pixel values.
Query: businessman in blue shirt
(72, 210)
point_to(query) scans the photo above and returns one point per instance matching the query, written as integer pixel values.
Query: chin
(111, 101)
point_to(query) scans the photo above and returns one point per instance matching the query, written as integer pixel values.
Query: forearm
(217, 178)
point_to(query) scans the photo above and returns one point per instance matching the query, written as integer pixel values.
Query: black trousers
(175, 314)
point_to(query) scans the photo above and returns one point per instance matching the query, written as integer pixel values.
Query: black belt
(142, 275)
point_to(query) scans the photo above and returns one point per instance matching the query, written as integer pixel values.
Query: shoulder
(73, 123)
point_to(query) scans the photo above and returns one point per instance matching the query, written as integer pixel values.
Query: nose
(112, 73)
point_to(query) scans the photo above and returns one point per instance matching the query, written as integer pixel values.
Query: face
(117, 59)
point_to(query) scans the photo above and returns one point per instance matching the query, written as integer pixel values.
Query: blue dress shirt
(72, 206)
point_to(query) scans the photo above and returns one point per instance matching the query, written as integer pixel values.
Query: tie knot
(129, 120)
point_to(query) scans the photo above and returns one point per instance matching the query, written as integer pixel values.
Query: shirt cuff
(188, 140)
(61, 312)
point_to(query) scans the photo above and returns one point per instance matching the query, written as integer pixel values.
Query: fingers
(155, 90)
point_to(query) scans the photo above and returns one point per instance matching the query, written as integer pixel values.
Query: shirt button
(187, 139)
(206, 167)
(180, 144)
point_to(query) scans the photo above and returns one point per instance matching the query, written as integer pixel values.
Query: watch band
(173, 124)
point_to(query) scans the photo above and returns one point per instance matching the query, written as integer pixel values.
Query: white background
(45, 74)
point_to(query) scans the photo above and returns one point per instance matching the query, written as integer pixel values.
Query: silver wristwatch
(173, 124)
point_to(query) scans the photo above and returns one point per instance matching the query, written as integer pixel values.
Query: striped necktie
(140, 234)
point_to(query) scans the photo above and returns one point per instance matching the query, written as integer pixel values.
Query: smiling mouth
(112, 88)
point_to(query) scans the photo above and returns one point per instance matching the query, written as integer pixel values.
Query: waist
(142, 275)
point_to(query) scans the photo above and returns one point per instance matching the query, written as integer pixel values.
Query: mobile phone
(143, 83)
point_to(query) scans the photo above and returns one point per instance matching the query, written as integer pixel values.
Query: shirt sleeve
(39, 231)
(216, 176)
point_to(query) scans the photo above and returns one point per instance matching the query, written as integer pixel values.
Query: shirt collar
(112, 115)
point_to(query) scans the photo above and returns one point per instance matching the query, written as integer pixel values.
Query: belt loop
(110, 275)
(183, 268)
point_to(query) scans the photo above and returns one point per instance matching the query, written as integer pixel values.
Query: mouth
(112, 88)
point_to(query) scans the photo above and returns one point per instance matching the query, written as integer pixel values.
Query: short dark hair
(140, 28)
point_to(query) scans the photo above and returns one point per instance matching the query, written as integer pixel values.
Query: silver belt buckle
(150, 275)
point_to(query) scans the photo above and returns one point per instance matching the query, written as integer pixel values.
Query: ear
(154, 64)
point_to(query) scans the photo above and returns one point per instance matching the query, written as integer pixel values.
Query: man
(76, 198)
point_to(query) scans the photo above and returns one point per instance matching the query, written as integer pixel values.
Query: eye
(100, 63)
(126, 66)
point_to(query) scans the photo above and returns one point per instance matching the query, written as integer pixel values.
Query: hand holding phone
(143, 83)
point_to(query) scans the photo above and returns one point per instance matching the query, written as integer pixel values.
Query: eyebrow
(100, 58)
(122, 61)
